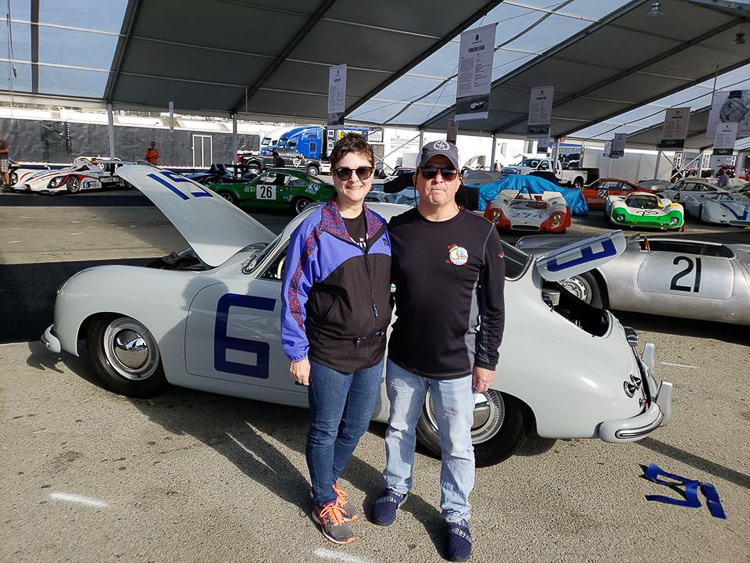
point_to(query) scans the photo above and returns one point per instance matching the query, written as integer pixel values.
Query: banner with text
(336, 94)
(730, 107)
(675, 128)
(476, 54)
(618, 145)
(540, 111)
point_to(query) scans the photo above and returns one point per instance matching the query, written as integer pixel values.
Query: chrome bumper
(657, 414)
(50, 340)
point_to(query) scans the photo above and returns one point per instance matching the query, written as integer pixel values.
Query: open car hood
(581, 256)
(215, 229)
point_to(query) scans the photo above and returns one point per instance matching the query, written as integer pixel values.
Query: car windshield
(530, 162)
(259, 251)
(642, 202)
(516, 261)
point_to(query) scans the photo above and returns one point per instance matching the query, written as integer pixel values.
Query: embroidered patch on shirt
(458, 255)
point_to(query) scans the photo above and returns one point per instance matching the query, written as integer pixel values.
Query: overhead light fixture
(739, 39)
(655, 10)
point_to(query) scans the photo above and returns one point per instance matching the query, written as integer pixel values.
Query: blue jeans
(341, 406)
(454, 414)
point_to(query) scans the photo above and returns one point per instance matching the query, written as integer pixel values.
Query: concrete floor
(91, 476)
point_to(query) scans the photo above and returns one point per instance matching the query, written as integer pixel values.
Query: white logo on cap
(441, 145)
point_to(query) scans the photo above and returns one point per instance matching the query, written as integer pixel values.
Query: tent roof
(271, 57)
(619, 63)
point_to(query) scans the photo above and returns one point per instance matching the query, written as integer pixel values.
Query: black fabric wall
(61, 142)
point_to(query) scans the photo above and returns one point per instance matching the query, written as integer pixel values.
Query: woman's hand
(300, 371)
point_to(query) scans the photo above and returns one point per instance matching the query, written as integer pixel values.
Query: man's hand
(481, 379)
(300, 371)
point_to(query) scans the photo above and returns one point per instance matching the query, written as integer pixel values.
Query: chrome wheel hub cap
(130, 349)
(489, 415)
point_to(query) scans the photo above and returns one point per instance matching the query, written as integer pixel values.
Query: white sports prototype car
(644, 210)
(85, 174)
(663, 276)
(519, 210)
(209, 319)
(723, 208)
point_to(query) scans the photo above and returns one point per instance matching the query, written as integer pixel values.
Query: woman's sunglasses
(429, 172)
(363, 172)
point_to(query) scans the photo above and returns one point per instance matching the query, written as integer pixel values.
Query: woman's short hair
(351, 142)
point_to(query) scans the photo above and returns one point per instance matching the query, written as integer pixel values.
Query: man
(449, 272)
(278, 162)
(152, 155)
(4, 164)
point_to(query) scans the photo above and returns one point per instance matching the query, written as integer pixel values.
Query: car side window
(275, 270)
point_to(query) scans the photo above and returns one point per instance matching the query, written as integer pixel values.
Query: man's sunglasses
(429, 172)
(363, 172)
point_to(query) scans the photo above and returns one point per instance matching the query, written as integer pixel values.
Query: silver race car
(722, 208)
(663, 276)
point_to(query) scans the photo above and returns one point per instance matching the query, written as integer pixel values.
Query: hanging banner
(452, 133)
(617, 149)
(540, 111)
(607, 149)
(725, 138)
(730, 107)
(336, 94)
(675, 129)
(475, 57)
(542, 144)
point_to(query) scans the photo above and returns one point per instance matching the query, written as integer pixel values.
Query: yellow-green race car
(645, 211)
(277, 189)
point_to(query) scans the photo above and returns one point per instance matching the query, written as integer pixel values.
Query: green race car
(277, 189)
(644, 210)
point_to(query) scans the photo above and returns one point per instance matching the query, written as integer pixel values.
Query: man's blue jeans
(454, 414)
(341, 406)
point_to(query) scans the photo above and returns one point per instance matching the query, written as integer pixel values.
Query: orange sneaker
(342, 499)
(330, 518)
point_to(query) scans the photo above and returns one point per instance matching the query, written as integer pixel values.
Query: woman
(334, 316)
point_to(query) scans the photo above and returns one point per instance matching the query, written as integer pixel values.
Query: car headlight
(557, 219)
(674, 220)
(619, 218)
(53, 183)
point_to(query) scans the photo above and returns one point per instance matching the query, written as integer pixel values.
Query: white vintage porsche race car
(721, 208)
(663, 276)
(84, 174)
(209, 319)
(644, 210)
(520, 210)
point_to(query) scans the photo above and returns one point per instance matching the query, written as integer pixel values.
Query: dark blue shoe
(384, 511)
(457, 541)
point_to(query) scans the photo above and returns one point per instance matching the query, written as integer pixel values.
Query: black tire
(299, 204)
(585, 287)
(229, 196)
(73, 185)
(313, 170)
(501, 427)
(125, 356)
(13, 178)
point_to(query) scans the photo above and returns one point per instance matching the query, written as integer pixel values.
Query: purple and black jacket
(336, 296)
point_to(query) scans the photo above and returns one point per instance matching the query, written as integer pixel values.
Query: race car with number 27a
(210, 320)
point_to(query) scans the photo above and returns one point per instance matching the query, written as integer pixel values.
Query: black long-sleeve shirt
(449, 278)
